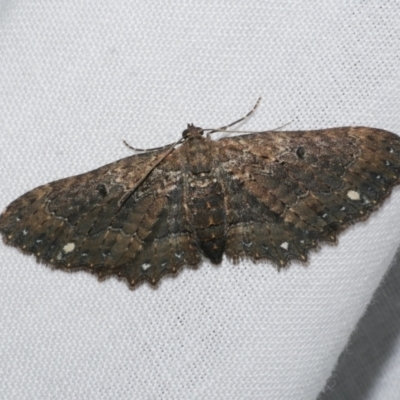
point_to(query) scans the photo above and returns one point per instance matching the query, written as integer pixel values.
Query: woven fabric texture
(78, 77)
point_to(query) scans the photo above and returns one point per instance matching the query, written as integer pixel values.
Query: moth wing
(289, 191)
(80, 222)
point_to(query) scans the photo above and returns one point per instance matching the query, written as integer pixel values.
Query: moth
(272, 195)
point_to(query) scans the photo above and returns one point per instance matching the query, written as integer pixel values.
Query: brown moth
(271, 195)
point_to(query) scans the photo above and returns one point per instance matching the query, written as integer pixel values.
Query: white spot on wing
(353, 195)
(69, 247)
(145, 266)
(285, 245)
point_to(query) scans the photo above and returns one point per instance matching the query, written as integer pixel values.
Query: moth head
(192, 131)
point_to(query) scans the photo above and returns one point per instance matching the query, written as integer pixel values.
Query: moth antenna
(127, 195)
(282, 126)
(130, 147)
(269, 130)
(224, 128)
(143, 150)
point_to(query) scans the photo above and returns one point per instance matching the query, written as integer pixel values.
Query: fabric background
(76, 78)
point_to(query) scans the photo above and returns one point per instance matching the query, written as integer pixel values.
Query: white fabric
(77, 77)
(369, 368)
